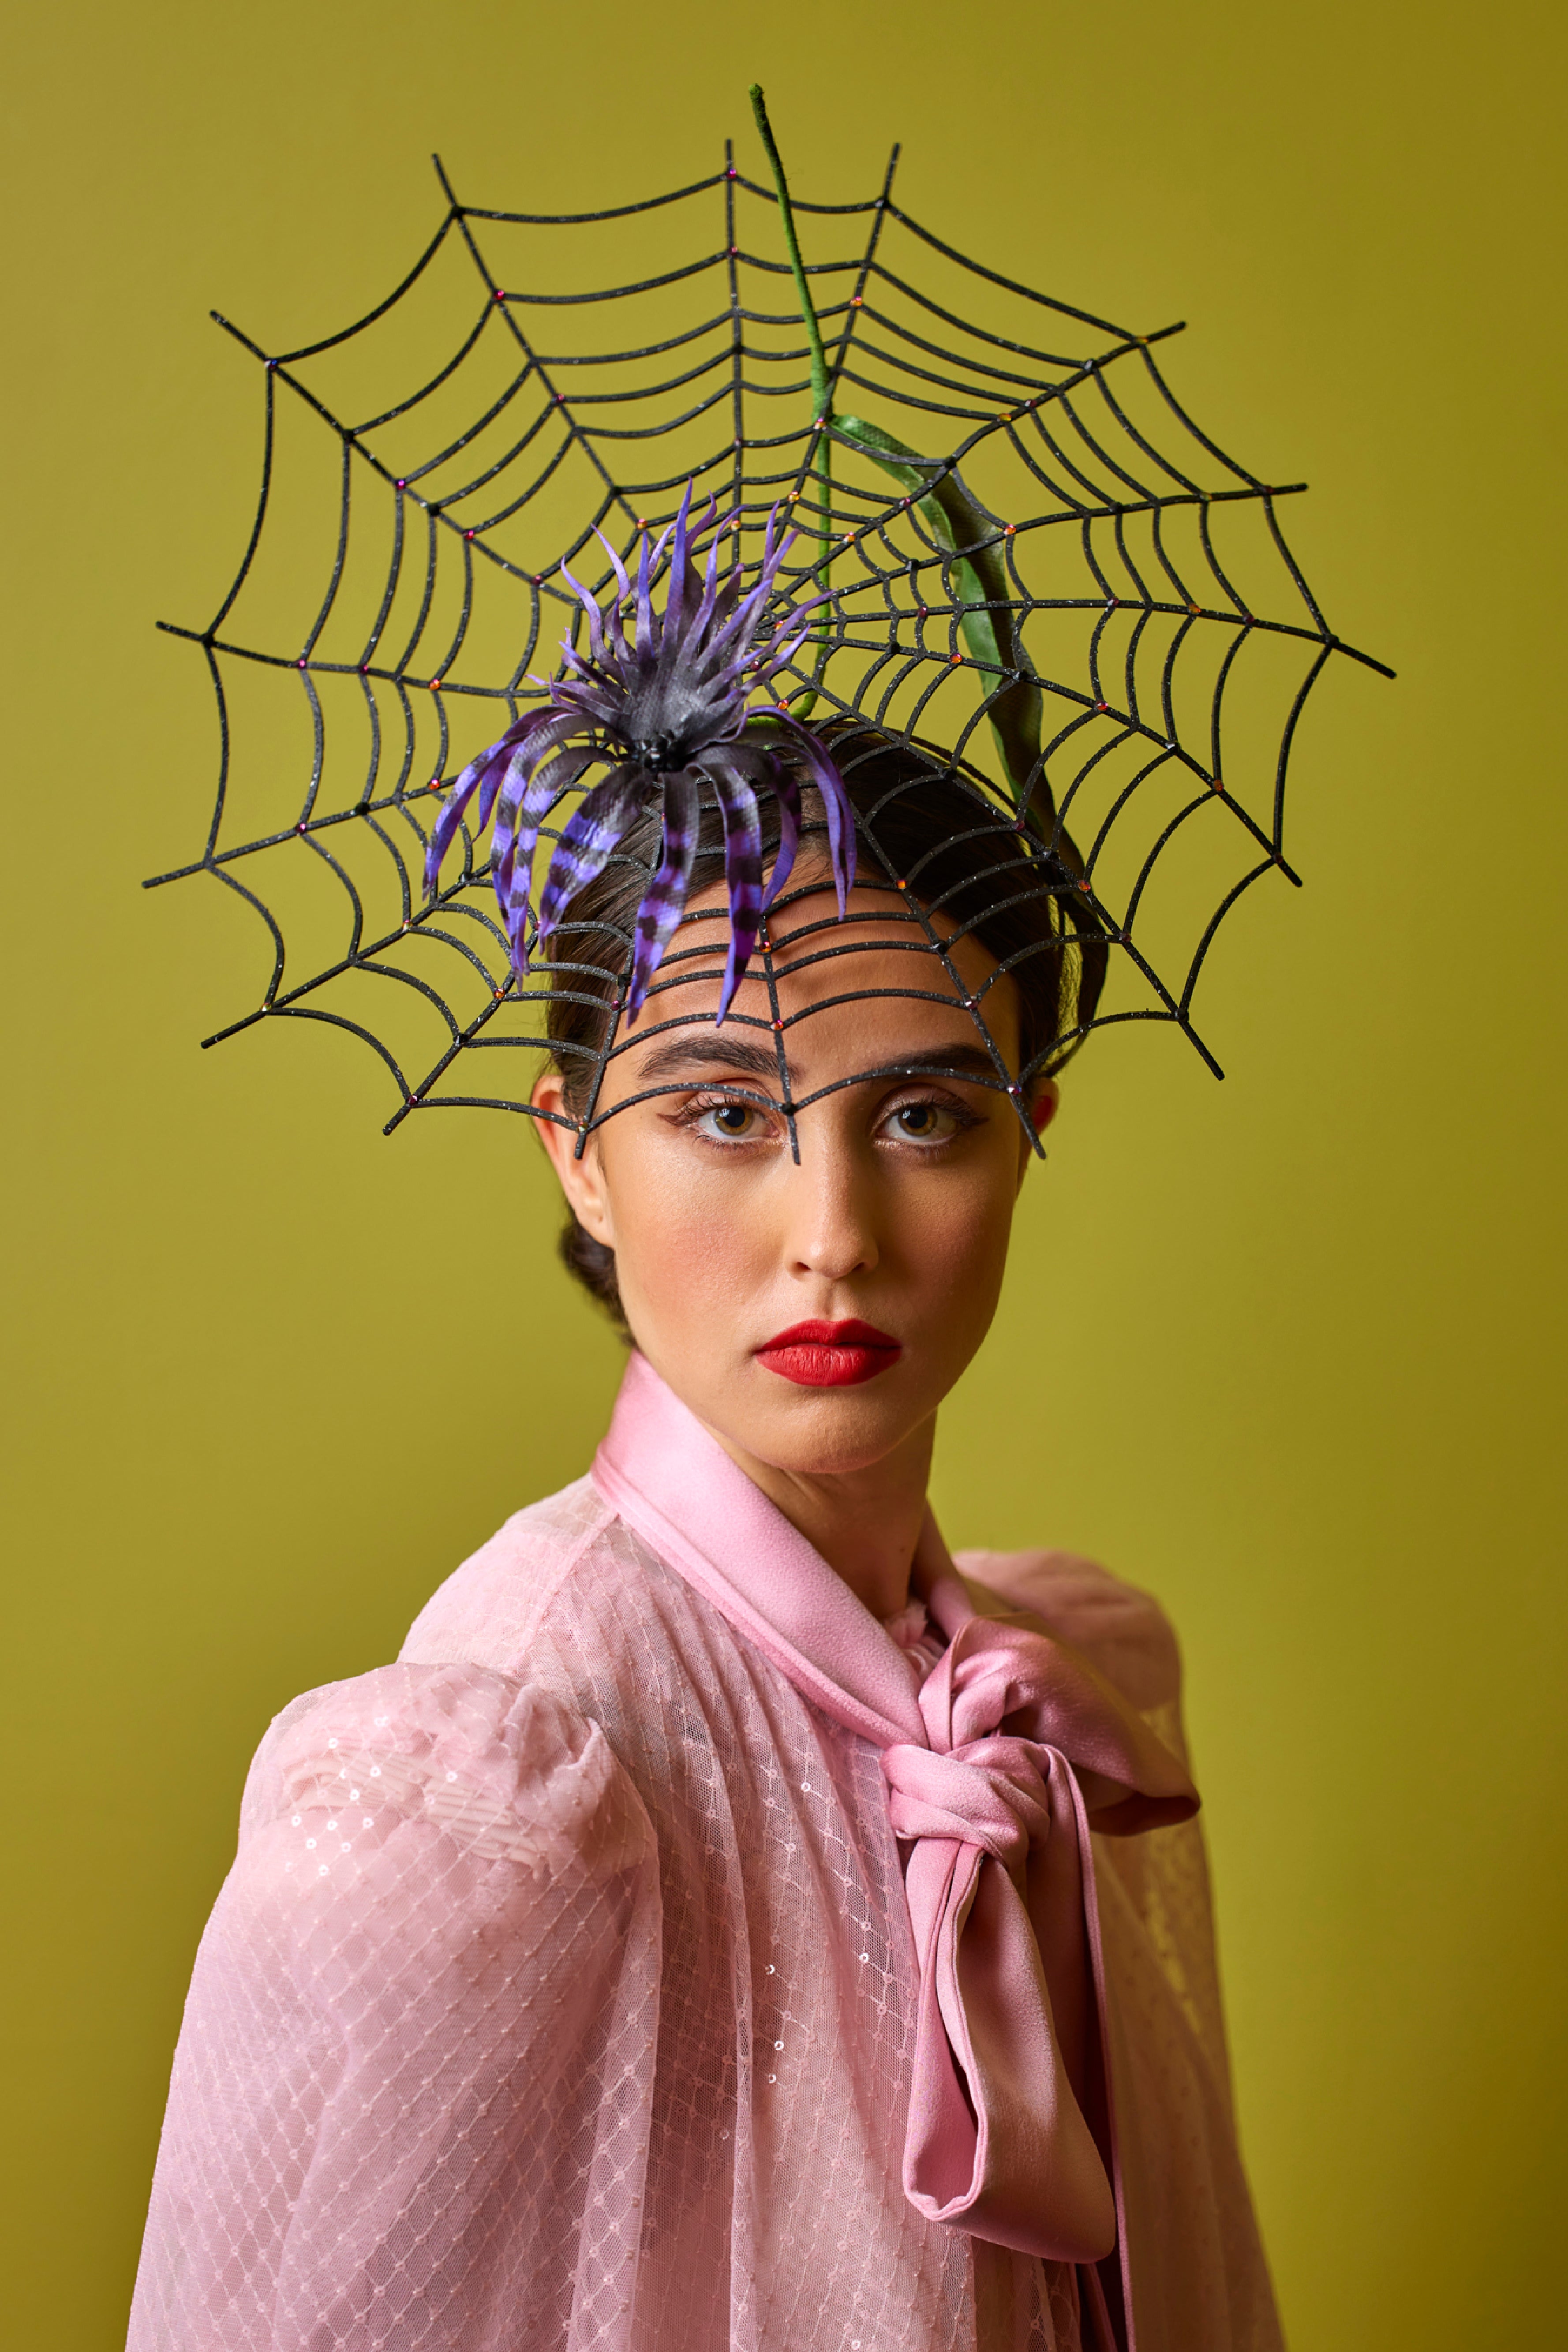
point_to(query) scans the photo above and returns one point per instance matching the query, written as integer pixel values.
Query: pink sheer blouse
(666, 1957)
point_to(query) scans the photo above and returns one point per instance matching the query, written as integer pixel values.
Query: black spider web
(402, 579)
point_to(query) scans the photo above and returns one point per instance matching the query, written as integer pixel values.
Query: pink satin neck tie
(996, 1770)
(1011, 2131)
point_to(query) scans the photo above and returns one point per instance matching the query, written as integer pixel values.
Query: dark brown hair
(922, 822)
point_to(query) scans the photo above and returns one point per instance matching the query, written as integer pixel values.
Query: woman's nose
(832, 1208)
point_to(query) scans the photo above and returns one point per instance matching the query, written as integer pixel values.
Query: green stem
(821, 396)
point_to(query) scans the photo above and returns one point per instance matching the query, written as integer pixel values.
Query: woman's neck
(865, 1523)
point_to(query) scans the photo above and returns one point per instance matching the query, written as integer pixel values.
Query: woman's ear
(1044, 1097)
(582, 1180)
(1045, 1105)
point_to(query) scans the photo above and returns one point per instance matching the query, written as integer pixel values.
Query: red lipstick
(830, 1355)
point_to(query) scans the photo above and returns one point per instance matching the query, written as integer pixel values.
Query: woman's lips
(830, 1355)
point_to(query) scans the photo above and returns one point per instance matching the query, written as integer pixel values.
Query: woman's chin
(819, 1431)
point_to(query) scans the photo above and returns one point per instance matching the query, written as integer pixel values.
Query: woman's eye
(925, 1122)
(731, 1122)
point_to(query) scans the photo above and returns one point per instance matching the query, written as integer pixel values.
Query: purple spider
(665, 709)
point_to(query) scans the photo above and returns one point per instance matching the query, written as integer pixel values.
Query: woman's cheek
(687, 1235)
(958, 1252)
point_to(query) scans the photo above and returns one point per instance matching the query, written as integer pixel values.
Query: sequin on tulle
(593, 2032)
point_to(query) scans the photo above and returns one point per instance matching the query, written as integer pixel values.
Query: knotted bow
(1010, 2130)
(995, 1771)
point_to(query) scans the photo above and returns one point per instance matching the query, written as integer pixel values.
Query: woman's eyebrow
(944, 1061)
(683, 1057)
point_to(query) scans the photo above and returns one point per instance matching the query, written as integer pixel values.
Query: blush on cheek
(690, 1259)
(958, 1261)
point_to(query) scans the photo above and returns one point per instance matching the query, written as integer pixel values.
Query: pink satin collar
(995, 1771)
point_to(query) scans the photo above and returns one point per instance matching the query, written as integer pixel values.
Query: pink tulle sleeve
(418, 2049)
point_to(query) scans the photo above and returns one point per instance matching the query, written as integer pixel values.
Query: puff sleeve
(416, 2058)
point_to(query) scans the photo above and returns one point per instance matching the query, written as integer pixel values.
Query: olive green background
(1288, 1349)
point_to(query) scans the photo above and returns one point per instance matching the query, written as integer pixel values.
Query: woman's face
(894, 1223)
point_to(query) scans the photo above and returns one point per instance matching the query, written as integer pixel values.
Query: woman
(696, 1940)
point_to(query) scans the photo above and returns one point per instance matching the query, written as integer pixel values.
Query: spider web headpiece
(959, 518)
